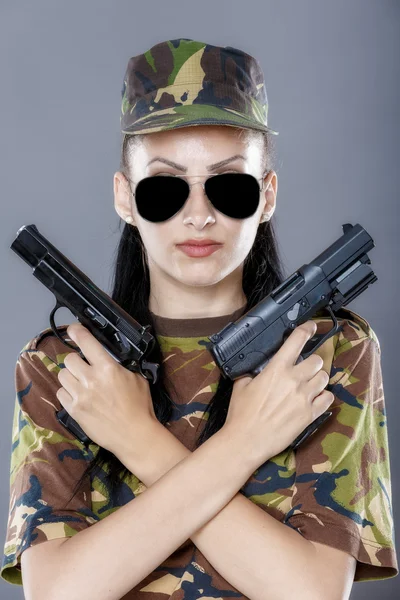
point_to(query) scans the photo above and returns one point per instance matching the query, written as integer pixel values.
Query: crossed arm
(258, 555)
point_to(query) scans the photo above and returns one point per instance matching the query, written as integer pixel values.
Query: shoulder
(356, 321)
(40, 359)
(36, 384)
(46, 343)
(352, 326)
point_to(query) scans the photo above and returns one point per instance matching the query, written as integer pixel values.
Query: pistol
(121, 335)
(330, 281)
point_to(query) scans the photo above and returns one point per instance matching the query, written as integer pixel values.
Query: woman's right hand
(268, 412)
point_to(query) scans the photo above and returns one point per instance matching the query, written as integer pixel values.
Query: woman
(223, 495)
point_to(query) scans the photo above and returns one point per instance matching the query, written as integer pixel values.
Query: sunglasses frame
(203, 183)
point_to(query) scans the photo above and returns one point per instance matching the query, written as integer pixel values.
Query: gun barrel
(330, 281)
(116, 329)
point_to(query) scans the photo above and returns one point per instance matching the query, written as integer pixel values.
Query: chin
(199, 279)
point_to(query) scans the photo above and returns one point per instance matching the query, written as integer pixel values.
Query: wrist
(243, 448)
(157, 451)
(166, 452)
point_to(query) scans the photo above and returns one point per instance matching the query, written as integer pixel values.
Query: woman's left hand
(109, 402)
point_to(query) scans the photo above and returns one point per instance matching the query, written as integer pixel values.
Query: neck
(173, 299)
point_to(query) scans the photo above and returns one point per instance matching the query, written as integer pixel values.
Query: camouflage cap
(181, 83)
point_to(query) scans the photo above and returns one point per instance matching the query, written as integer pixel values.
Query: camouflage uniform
(334, 489)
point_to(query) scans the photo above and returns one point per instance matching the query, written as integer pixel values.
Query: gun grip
(312, 428)
(69, 423)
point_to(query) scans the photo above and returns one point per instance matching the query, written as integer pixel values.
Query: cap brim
(185, 116)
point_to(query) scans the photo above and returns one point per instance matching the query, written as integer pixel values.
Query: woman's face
(194, 149)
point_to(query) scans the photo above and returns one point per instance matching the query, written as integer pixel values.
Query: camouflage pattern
(334, 489)
(182, 82)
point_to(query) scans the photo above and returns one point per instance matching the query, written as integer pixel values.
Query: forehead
(196, 147)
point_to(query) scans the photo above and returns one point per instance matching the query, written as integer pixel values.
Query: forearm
(148, 529)
(244, 544)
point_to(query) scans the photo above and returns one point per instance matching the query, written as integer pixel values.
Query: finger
(293, 345)
(242, 381)
(77, 366)
(317, 384)
(65, 399)
(309, 367)
(69, 382)
(322, 402)
(90, 346)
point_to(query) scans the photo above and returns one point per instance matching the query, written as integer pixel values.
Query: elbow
(38, 565)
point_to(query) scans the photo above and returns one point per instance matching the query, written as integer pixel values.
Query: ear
(122, 196)
(270, 188)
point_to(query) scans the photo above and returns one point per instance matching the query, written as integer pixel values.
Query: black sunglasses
(160, 197)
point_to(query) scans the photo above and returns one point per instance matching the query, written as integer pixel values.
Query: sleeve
(46, 464)
(342, 494)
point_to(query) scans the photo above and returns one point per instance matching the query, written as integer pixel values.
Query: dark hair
(262, 272)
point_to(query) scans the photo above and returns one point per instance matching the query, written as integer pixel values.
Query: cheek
(240, 237)
(158, 239)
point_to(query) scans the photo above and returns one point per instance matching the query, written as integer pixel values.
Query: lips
(199, 250)
(194, 242)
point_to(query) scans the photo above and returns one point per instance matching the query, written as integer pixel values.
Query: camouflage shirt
(334, 489)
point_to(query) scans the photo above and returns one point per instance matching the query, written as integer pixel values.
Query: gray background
(332, 76)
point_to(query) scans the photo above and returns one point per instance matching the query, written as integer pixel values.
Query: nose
(197, 206)
(198, 193)
(202, 184)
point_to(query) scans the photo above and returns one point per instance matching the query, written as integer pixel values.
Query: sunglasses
(160, 197)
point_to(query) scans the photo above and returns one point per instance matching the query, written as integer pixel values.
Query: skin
(183, 286)
(114, 405)
(180, 286)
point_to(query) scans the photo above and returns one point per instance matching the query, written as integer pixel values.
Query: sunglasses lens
(234, 194)
(160, 197)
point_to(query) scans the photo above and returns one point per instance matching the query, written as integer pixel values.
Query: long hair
(262, 272)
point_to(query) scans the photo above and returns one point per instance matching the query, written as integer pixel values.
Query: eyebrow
(210, 168)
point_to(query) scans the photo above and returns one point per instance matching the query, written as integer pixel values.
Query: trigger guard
(323, 339)
(57, 334)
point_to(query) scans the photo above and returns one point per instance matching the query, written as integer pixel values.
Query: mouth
(199, 250)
